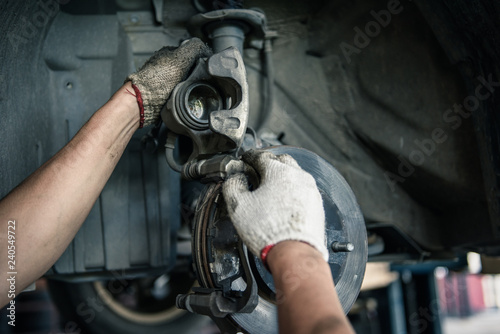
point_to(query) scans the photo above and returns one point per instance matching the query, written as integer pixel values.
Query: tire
(91, 308)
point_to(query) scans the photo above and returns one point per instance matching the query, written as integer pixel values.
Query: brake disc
(219, 264)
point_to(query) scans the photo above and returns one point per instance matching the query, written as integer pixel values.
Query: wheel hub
(220, 266)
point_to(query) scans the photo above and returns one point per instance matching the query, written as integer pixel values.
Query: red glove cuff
(263, 254)
(140, 104)
(265, 251)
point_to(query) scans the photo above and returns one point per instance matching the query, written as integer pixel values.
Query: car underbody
(400, 97)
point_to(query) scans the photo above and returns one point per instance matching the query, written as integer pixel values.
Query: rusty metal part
(218, 262)
(229, 27)
(210, 107)
(218, 268)
(214, 169)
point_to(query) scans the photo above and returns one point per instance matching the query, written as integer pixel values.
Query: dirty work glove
(286, 205)
(156, 79)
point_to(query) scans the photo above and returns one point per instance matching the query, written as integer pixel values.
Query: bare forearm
(306, 296)
(50, 206)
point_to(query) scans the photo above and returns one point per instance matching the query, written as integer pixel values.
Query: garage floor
(482, 323)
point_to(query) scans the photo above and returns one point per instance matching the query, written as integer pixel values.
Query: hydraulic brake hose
(169, 152)
(269, 92)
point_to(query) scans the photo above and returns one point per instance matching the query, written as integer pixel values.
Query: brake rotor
(218, 263)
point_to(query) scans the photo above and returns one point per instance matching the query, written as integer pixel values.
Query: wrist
(130, 96)
(289, 251)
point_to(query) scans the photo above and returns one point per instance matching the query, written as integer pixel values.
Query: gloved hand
(156, 79)
(286, 205)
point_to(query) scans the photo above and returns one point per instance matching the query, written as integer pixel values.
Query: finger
(180, 59)
(288, 160)
(252, 177)
(252, 156)
(259, 161)
(234, 186)
(158, 56)
(192, 49)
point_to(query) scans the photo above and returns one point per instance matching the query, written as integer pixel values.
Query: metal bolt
(342, 246)
(134, 19)
(180, 301)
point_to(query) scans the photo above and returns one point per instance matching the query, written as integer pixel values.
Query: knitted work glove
(286, 205)
(156, 79)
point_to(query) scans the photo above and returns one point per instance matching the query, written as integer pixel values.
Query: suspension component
(229, 27)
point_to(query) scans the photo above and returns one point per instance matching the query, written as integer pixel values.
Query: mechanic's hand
(156, 79)
(286, 205)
